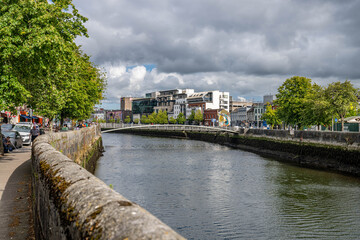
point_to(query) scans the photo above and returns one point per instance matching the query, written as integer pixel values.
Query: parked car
(7, 127)
(24, 130)
(15, 138)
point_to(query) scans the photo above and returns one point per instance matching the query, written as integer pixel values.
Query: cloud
(235, 44)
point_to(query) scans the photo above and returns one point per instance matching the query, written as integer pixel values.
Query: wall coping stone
(85, 207)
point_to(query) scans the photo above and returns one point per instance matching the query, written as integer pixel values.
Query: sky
(245, 47)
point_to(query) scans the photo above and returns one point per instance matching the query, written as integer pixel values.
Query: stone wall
(348, 139)
(71, 203)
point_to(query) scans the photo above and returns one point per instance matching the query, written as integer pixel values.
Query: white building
(269, 99)
(239, 116)
(254, 115)
(166, 100)
(180, 104)
(208, 100)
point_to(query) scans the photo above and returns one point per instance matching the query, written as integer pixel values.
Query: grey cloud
(254, 38)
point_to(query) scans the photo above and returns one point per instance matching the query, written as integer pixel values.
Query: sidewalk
(15, 192)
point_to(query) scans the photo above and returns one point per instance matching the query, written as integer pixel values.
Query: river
(208, 191)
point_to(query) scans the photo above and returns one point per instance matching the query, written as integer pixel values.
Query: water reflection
(208, 191)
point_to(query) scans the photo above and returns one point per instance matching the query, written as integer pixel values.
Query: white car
(24, 130)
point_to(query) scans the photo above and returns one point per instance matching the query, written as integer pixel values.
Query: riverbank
(338, 152)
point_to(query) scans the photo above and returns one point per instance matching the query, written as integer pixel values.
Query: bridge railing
(170, 127)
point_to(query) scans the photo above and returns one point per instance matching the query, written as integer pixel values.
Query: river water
(207, 191)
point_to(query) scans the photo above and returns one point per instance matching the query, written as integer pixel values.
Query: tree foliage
(162, 117)
(198, 116)
(191, 118)
(342, 98)
(86, 90)
(271, 117)
(316, 109)
(127, 119)
(291, 99)
(144, 119)
(181, 118)
(40, 64)
(305, 104)
(172, 120)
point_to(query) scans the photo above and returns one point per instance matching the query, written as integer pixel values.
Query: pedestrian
(34, 133)
(7, 145)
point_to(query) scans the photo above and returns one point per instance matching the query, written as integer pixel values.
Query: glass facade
(143, 106)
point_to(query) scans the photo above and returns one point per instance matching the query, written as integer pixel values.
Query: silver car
(15, 138)
(24, 131)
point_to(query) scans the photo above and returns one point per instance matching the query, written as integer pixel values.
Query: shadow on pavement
(16, 203)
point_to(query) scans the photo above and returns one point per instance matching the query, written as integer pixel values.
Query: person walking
(34, 133)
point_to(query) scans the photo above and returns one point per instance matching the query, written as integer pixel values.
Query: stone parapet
(71, 203)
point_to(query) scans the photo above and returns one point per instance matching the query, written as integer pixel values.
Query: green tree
(36, 45)
(181, 118)
(40, 64)
(153, 118)
(199, 117)
(144, 119)
(342, 98)
(191, 118)
(136, 121)
(316, 109)
(291, 99)
(127, 119)
(271, 117)
(172, 120)
(163, 117)
(86, 91)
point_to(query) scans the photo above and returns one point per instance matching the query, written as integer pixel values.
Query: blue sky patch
(148, 67)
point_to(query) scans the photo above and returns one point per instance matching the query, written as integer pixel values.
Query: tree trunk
(342, 123)
(51, 124)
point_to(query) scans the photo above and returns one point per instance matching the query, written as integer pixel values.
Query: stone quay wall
(331, 151)
(71, 203)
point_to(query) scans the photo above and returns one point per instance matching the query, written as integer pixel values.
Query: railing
(168, 127)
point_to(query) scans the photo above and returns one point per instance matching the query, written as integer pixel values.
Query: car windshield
(22, 128)
(9, 134)
(5, 127)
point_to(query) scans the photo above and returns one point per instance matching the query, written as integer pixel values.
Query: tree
(342, 98)
(271, 117)
(85, 91)
(162, 117)
(36, 50)
(40, 64)
(127, 119)
(172, 120)
(191, 118)
(198, 116)
(291, 99)
(144, 119)
(136, 121)
(181, 118)
(316, 109)
(152, 118)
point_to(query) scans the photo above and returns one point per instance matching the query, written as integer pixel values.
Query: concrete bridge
(112, 127)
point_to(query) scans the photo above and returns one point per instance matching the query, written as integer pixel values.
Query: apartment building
(242, 102)
(208, 100)
(126, 103)
(181, 103)
(173, 101)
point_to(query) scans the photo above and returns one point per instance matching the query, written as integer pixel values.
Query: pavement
(15, 195)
